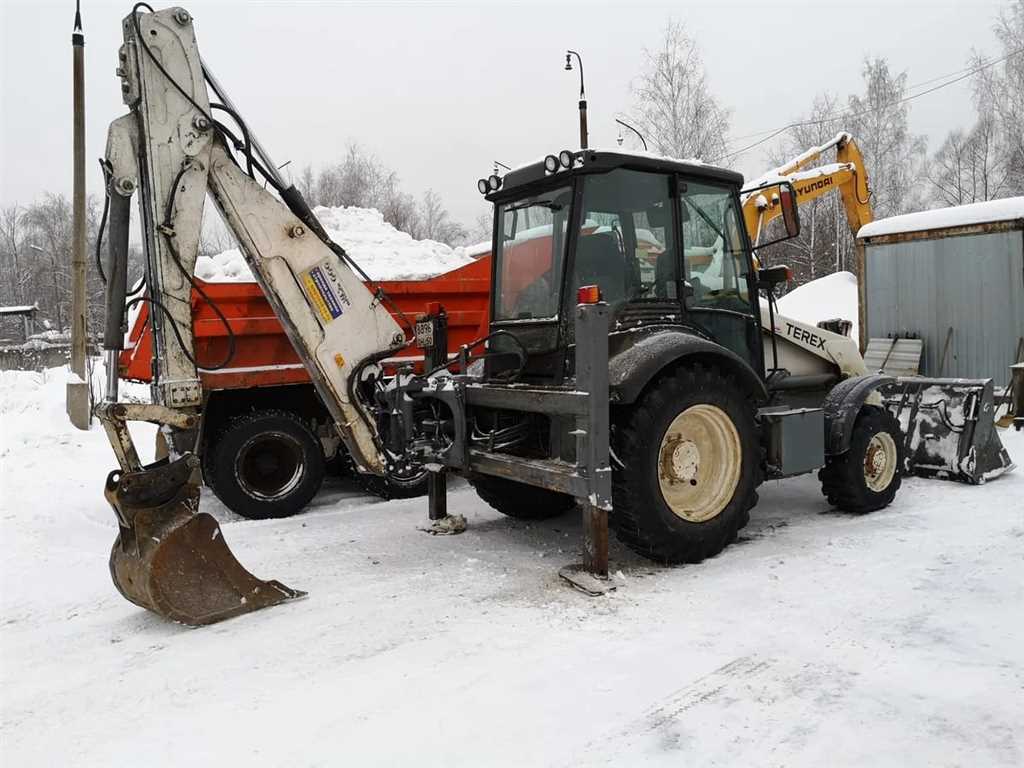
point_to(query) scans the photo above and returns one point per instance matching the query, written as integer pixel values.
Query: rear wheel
(692, 466)
(265, 464)
(867, 476)
(518, 500)
(404, 484)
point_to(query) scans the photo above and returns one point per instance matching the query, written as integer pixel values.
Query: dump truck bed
(265, 357)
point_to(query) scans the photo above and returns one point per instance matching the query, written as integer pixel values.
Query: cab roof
(601, 160)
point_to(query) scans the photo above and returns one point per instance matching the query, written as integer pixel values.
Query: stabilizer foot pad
(586, 582)
(449, 525)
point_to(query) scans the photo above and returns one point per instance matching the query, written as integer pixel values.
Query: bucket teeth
(173, 560)
(949, 428)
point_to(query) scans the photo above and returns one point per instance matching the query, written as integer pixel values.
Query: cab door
(719, 289)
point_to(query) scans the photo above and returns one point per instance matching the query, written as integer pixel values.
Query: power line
(912, 87)
(962, 75)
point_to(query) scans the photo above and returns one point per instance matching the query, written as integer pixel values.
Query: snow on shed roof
(25, 309)
(1006, 209)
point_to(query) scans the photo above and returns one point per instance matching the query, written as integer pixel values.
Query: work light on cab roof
(491, 184)
(554, 163)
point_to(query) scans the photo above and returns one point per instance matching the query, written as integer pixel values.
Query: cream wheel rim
(880, 462)
(699, 463)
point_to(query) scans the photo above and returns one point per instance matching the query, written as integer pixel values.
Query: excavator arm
(176, 153)
(847, 175)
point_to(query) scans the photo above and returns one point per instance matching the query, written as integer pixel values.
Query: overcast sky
(440, 90)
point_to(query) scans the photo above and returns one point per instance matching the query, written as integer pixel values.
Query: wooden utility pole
(78, 386)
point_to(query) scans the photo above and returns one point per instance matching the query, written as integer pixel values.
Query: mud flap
(173, 560)
(949, 428)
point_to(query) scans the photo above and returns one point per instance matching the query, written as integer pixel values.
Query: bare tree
(307, 185)
(968, 167)
(49, 223)
(999, 93)
(482, 229)
(435, 223)
(894, 156)
(674, 107)
(11, 245)
(825, 243)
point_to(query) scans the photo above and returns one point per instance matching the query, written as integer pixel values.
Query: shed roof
(1007, 209)
(25, 309)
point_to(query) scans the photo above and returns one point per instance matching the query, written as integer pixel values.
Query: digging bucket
(948, 427)
(172, 559)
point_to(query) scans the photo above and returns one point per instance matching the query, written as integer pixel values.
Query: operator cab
(664, 240)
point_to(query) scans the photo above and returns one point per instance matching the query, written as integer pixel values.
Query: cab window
(530, 256)
(714, 250)
(626, 244)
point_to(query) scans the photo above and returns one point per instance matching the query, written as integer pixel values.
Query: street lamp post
(77, 388)
(634, 130)
(583, 96)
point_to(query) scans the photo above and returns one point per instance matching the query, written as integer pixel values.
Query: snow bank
(32, 406)
(826, 298)
(957, 216)
(382, 251)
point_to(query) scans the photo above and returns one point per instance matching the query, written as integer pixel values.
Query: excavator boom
(175, 151)
(847, 176)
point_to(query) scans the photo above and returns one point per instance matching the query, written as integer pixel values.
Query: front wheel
(691, 467)
(519, 500)
(867, 476)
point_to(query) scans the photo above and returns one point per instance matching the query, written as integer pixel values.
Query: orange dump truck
(266, 437)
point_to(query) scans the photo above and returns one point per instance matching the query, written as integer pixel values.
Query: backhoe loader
(637, 392)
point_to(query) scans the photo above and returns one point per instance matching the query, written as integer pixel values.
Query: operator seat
(599, 262)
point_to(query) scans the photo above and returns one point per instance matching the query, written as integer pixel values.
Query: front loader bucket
(948, 427)
(172, 559)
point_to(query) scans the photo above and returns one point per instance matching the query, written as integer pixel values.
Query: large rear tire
(407, 486)
(265, 464)
(692, 465)
(518, 500)
(867, 476)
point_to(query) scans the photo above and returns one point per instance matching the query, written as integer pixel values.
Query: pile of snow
(826, 298)
(382, 251)
(32, 407)
(52, 337)
(1007, 209)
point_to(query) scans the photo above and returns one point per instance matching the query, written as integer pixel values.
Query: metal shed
(954, 277)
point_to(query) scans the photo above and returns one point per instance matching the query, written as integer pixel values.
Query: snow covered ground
(820, 638)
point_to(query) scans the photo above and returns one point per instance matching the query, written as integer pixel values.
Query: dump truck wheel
(690, 467)
(265, 464)
(518, 500)
(866, 477)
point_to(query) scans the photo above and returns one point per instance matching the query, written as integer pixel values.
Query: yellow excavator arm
(847, 175)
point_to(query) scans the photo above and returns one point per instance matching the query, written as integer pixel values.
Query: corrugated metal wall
(973, 284)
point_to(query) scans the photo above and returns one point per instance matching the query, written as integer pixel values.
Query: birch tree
(674, 107)
(894, 156)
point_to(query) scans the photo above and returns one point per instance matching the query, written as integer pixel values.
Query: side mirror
(790, 214)
(778, 199)
(769, 277)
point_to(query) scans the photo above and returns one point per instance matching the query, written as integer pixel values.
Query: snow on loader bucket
(169, 557)
(949, 428)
